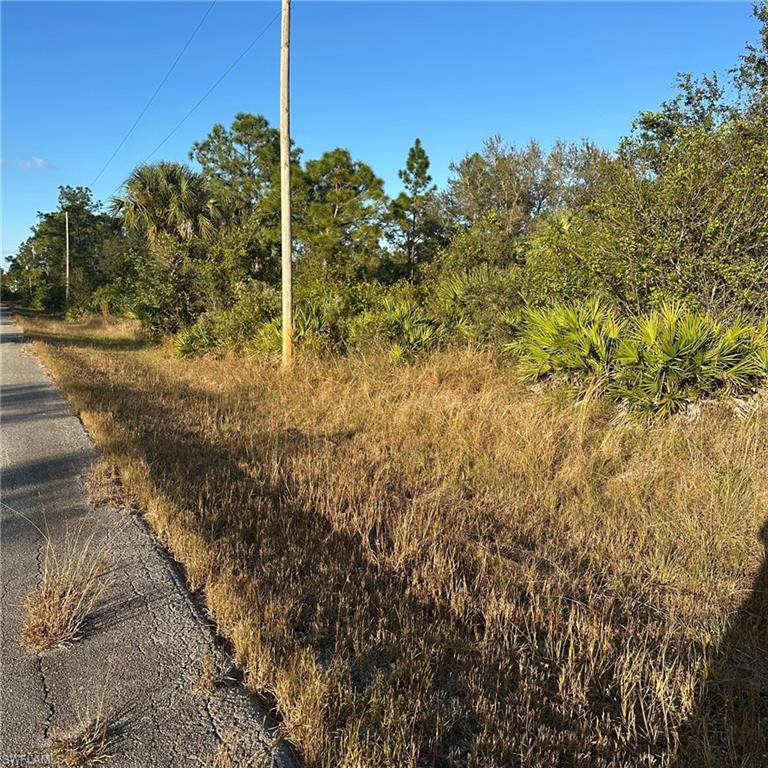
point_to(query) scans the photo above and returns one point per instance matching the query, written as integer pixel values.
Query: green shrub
(361, 316)
(578, 341)
(112, 299)
(75, 313)
(558, 263)
(234, 328)
(311, 327)
(407, 328)
(269, 338)
(197, 339)
(672, 358)
(256, 303)
(484, 242)
(167, 292)
(472, 304)
(311, 330)
(656, 364)
(367, 322)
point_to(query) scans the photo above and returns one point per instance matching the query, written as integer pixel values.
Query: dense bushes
(238, 327)
(656, 364)
(673, 358)
(332, 323)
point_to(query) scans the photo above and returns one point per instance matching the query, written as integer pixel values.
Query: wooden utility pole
(285, 182)
(66, 263)
(29, 274)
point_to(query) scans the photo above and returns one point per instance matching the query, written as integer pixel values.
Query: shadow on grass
(307, 586)
(730, 726)
(427, 679)
(315, 582)
(33, 313)
(88, 340)
(87, 334)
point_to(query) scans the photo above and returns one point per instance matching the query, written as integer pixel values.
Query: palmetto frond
(579, 341)
(674, 357)
(167, 197)
(656, 364)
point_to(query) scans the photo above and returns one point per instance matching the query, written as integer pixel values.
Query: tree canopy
(675, 212)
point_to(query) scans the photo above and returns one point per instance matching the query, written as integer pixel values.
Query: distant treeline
(677, 212)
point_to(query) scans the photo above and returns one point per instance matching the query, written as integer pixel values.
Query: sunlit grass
(71, 583)
(89, 743)
(434, 565)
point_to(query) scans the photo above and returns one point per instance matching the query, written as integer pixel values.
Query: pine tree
(345, 212)
(416, 231)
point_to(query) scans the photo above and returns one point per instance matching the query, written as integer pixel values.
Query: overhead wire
(215, 85)
(210, 90)
(154, 94)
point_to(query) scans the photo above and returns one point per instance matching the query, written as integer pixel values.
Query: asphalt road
(142, 651)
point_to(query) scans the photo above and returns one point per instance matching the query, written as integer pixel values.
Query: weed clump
(87, 745)
(70, 587)
(105, 488)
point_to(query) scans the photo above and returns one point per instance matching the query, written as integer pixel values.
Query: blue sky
(367, 76)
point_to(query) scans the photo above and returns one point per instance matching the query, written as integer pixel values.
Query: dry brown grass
(105, 488)
(215, 670)
(431, 565)
(71, 583)
(89, 744)
(232, 754)
(208, 677)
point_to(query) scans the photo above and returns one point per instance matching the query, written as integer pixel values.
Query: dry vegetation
(71, 584)
(105, 488)
(215, 669)
(87, 745)
(234, 754)
(433, 565)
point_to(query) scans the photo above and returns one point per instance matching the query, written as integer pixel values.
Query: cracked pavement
(142, 651)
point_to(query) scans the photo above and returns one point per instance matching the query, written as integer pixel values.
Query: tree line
(677, 211)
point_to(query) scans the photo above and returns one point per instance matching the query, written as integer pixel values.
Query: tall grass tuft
(71, 584)
(89, 743)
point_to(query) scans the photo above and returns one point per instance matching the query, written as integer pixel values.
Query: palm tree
(167, 197)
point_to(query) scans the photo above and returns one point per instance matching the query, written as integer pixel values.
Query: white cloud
(36, 163)
(44, 165)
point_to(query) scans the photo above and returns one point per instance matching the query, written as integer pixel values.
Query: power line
(184, 119)
(216, 84)
(154, 95)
